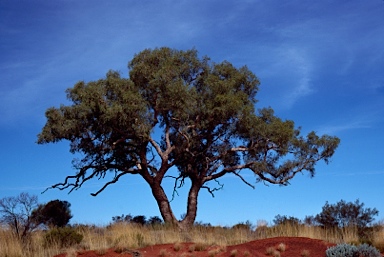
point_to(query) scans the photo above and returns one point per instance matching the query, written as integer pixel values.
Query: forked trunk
(166, 210)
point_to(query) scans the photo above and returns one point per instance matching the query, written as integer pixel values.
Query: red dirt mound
(271, 247)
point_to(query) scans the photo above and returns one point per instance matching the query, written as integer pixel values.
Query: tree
(177, 110)
(346, 214)
(55, 213)
(139, 219)
(285, 220)
(122, 218)
(16, 212)
(154, 220)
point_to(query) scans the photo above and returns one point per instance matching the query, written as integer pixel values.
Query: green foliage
(190, 113)
(139, 219)
(285, 220)
(63, 237)
(243, 225)
(122, 218)
(154, 220)
(55, 213)
(347, 250)
(346, 214)
(342, 250)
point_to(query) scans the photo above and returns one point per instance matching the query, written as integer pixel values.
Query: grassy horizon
(132, 236)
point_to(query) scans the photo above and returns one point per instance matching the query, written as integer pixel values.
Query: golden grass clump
(305, 253)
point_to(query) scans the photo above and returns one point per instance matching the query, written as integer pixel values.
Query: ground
(271, 247)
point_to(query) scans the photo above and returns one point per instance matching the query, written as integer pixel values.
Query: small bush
(246, 253)
(177, 247)
(365, 250)
(342, 250)
(63, 237)
(305, 253)
(281, 247)
(213, 253)
(346, 250)
(270, 251)
(200, 247)
(234, 253)
(163, 253)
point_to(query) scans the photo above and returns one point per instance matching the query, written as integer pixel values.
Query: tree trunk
(163, 203)
(190, 217)
(166, 210)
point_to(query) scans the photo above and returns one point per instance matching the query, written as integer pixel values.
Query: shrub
(177, 247)
(346, 214)
(163, 253)
(346, 250)
(305, 253)
(270, 250)
(342, 250)
(63, 237)
(200, 247)
(365, 250)
(53, 214)
(281, 247)
(246, 253)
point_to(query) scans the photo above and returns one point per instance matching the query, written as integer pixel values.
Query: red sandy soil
(294, 247)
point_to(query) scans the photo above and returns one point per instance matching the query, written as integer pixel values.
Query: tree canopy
(179, 110)
(55, 213)
(346, 214)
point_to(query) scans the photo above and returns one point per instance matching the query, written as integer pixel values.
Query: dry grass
(234, 253)
(305, 253)
(129, 236)
(281, 247)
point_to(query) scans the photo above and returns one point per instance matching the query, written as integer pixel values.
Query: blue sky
(320, 63)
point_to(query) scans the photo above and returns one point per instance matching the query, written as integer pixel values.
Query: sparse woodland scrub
(131, 236)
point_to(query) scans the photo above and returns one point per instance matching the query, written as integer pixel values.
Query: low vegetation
(124, 235)
(46, 231)
(347, 250)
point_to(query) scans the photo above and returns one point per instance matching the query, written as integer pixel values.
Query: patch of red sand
(294, 247)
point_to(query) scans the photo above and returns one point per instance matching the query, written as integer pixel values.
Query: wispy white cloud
(365, 118)
(299, 65)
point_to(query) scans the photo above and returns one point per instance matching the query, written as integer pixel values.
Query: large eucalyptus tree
(179, 111)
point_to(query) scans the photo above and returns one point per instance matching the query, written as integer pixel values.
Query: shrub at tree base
(347, 250)
(63, 237)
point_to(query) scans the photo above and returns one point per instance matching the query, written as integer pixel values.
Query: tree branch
(211, 190)
(115, 179)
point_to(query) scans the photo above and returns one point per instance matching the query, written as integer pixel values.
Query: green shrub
(366, 250)
(63, 237)
(347, 250)
(342, 250)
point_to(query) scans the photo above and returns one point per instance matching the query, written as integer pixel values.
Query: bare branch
(167, 140)
(99, 172)
(157, 147)
(239, 149)
(242, 179)
(115, 179)
(211, 190)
